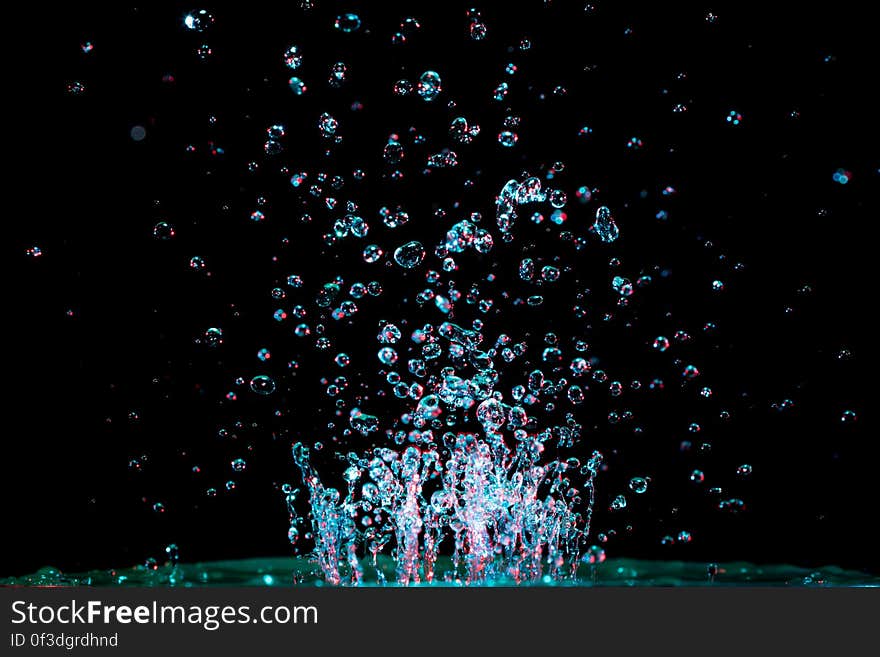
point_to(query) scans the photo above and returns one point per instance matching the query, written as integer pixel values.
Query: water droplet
(214, 337)
(163, 231)
(198, 20)
(605, 226)
(638, 485)
(430, 85)
(293, 58)
(297, 86)
(409, 255)
(347, 23)
(507, 138)
(594, 555)
(263, 384)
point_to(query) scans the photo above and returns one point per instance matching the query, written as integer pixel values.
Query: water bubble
(297, 86)
(347, 23)
(337, 74)
(327, 125)
(557, 198)
(635, 144)
(430, 85)
(623, 286)
(507, 138)
(214, 337)
(75, 88)
(262, 384)
(444, 159)
(841, 176)
(690, 372)
(198, 20)
(409, 255)
(476, 27)
(410, 25)
(363, 423)
(491, 414)
(293, 58)
(461, 131)
(529, 191)
(732, 505)
(618, 503)
(638, 485)
(387, 356)
(372, 253)
(550, 274)
(605, 226)
(402, 88)
(594, 555)
(163, 231)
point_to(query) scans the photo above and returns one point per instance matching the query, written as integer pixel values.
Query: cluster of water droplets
(477, 472)
(463, 433)
(484, 457)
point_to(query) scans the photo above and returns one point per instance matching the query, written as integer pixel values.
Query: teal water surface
(288, 571)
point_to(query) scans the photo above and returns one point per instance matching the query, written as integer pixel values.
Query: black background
(762, 192)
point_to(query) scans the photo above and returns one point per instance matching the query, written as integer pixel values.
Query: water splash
(507, 507)
(484, 457)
